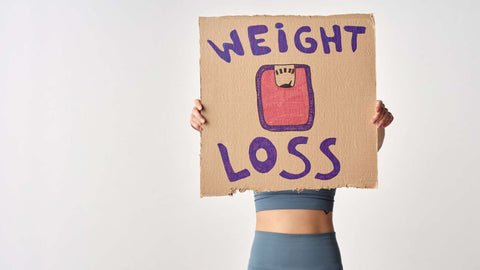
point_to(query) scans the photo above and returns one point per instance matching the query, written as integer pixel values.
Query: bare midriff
(294, 221)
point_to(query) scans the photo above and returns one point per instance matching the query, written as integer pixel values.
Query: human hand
(382, 117)
(196, 118)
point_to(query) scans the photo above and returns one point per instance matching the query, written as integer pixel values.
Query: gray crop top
(290, 199)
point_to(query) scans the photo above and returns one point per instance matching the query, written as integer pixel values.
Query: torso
(294, 221)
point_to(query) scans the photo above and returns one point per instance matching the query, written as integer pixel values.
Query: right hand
(196, 118)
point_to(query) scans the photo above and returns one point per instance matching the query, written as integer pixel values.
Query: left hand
(382, 117)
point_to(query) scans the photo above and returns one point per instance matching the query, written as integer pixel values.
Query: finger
(195, 120)
(383, 120)
(378, 109)
(390, 120)
(195, 125)
(198, 104)
(379, 105)
(375, 117)
(198, 116)
(381, 116)
(378, 116)
(386, 121)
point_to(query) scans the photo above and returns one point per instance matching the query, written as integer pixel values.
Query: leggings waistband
(285, 251)
(297, 235)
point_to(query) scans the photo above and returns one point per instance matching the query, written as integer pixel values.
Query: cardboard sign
(288, 102)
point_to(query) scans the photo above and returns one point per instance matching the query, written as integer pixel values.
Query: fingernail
(202, 120)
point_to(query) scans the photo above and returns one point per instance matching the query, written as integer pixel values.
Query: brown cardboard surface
(257, 101)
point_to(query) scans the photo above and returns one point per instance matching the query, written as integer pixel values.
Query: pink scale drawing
(286, 107)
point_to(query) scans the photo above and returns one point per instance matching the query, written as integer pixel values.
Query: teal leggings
(282, 251)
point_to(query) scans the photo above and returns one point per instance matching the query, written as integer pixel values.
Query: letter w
(236, 46)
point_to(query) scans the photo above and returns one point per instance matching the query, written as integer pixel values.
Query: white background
(99, 167)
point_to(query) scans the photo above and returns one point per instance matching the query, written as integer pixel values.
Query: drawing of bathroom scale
(285, 97)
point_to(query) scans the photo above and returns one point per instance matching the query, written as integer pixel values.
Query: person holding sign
(294, 230)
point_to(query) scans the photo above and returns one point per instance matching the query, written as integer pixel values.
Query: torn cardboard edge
(236, 190)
